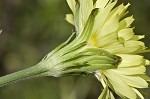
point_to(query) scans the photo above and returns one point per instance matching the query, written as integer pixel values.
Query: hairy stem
(23, 74)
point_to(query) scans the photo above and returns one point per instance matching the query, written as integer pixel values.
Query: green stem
(23, 74)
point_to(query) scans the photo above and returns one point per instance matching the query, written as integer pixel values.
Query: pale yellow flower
(105, 45)
(112, 32)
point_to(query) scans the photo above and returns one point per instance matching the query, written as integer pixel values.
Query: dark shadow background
(31, 29)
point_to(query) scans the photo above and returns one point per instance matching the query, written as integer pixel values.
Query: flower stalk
(23, 74)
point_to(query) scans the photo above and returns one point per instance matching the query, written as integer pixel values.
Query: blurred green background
(31, 29)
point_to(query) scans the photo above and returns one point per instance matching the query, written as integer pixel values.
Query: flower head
(112, 31)
(75, 56)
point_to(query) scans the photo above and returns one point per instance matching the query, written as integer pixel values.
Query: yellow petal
(131, 70)
(138, 93)
(72, 4)
(138, 37)
(131, 60)
(120, 10)
(127, 47)
(137, 82)
(102, 16)
(145, 77)
(111, 95)
(86, 6)
(104, 94)
(69, 18)
(101, 3)
(126, 34)
(119, 86)
(82, 14)
(125, 22)
(106, 40)
(147, 62)
(110, 26)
